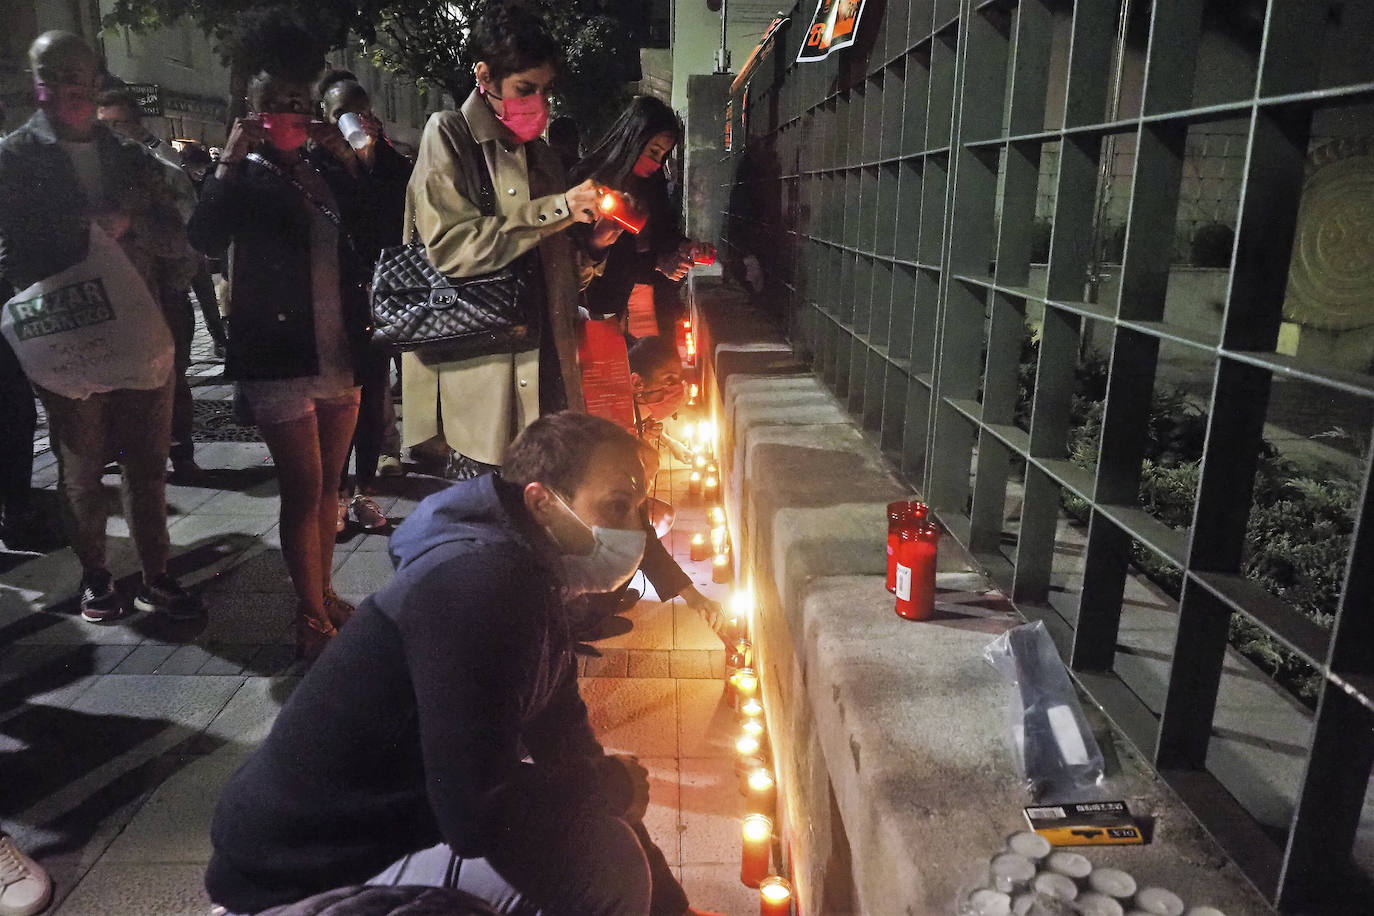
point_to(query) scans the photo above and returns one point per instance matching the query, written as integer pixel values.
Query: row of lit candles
(757, 783)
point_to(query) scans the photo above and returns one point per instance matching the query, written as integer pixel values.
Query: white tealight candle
(1094, 904)
(1070, 864)
(1113, 882)
(1049, 884)
(989, 903)
(1159, 901)
(1031, 845)
(1011, 872)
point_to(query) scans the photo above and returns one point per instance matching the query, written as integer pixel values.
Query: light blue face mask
(614, 558)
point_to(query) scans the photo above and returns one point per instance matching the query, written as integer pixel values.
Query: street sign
(149, 98)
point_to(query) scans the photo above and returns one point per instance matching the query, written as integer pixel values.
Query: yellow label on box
(1085, 824)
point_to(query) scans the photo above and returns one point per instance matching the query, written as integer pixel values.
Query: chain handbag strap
(329, 212)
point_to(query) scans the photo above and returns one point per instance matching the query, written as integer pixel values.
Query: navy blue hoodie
(412, 726)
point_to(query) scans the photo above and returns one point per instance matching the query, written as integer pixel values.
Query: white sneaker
(390, 466)
(343, 514)
(25, 887)
(368, 514)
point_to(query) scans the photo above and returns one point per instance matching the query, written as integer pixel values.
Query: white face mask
(614, 558)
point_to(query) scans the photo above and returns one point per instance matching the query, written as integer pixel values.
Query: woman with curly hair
(299, 313)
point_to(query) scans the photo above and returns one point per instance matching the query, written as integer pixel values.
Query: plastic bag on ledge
(1055, 748)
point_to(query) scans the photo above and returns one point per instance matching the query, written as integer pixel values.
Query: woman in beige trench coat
(476, 406)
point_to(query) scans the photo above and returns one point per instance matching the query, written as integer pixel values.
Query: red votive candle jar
(900, 514)
(756, 859)
(775, 896)
(916, 553)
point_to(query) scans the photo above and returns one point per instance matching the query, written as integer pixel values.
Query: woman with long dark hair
(298, 332)
(629, 159)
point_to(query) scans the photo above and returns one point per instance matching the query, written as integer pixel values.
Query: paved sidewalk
(115, 740)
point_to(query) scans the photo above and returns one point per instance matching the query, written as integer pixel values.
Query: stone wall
(889, 737)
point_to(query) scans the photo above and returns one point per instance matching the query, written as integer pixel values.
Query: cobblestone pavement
(115, 740)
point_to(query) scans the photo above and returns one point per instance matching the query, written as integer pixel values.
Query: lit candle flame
(757, 828)
(760, 780)
(775, 889)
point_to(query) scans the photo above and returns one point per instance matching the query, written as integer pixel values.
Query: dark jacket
(377, 210)
(44, 213)
(271, 310)
(411, 727)
(633, 259)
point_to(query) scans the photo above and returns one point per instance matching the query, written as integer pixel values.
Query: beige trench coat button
(524, 384)
(510, 191)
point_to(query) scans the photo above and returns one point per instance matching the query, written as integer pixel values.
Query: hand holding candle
(615, 205)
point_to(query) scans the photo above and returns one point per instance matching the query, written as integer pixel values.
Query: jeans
(18, 419)
(135, 426)
(604, 867)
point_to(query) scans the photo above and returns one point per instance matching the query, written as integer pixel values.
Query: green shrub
(1297, 536)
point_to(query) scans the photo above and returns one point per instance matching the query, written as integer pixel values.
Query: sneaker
(165, 594)
(390, 466)
(99, 601)
(368, 514)
(344, 503)
(25, 887)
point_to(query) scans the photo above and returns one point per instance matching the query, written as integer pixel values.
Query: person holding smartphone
(298, 337)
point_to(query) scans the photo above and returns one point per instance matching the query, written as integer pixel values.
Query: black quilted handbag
(415, 307)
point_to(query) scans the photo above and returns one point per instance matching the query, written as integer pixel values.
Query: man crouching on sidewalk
(440, 739)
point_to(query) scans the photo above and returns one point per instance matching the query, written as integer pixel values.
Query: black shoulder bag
(415, 307)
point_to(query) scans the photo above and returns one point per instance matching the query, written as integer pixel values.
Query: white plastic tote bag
(91, 328)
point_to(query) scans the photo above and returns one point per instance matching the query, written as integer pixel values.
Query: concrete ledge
(889, 737)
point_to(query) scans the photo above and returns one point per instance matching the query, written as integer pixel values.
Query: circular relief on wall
(1331, 278)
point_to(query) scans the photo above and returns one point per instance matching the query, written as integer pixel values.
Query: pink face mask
(646, 165)
(286, 130)
(525, 116)
(73, 106)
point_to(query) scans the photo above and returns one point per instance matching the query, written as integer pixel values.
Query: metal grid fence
(890, 195)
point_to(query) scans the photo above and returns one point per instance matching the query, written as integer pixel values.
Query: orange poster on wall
(833, 27)
(606, 372)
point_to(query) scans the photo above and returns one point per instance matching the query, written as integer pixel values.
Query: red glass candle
(721, 569)
(775, 896)
(618, 208)
(700, 550)
(916, 554)
(756, 859)
(899, 514)
(761, 791)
